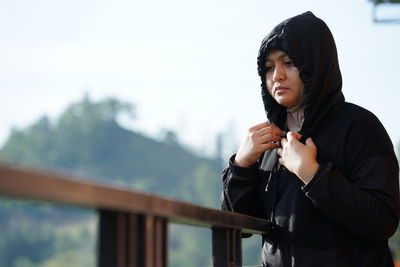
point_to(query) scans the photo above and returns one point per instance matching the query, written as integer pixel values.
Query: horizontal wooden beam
(49, 186)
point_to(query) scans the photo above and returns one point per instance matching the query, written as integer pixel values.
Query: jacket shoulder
(358, 119)
(364, 129)
(354, 111)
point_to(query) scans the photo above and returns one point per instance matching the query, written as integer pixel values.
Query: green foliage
(252, 250)
(62, 259)
(394, 243)
(86, 140)
(190, 246)
(203, 187)
(33, 233)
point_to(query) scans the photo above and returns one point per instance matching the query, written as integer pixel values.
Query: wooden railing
(132, 225)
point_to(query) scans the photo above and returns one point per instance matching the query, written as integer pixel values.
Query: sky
(188, 66)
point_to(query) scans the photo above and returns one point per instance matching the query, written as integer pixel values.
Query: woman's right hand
(260, 138)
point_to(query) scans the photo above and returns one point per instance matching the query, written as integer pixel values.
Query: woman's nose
(279, 74)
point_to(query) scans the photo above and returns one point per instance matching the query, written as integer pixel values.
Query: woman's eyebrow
(280, 57)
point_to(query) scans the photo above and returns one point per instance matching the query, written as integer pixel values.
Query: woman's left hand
(298, 158)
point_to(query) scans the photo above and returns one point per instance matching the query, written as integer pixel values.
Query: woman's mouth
(280, 89)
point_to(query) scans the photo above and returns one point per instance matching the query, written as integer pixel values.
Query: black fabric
(346, 214)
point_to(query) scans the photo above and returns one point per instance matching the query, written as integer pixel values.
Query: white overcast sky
(187, 65)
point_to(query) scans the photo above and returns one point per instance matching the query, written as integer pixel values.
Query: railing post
(113, 239)
(153, 240)
(130, 240)
(226, 247)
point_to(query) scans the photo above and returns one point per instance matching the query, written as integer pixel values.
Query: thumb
(297, 135)
(310, 142)
(293, 135)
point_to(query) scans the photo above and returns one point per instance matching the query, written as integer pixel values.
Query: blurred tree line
(87, 141)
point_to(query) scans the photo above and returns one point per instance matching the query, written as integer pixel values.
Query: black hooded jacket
(346, 214)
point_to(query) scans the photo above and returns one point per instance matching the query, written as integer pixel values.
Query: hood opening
(308, 41)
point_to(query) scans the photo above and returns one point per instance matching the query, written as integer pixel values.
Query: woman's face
(283, 79)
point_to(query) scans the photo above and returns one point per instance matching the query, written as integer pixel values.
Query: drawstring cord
(274, 175)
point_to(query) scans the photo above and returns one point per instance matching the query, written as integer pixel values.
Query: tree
(88, 140)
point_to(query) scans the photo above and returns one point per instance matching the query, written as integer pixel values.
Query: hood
(308, 41)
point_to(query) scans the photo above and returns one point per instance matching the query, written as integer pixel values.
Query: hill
(87, 141)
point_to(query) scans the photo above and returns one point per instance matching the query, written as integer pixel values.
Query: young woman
(322, 170)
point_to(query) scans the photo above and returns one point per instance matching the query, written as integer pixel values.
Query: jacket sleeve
(239, 189)
(366, 201)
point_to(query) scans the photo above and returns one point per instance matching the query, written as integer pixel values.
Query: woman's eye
(268, 68)
(289, 63)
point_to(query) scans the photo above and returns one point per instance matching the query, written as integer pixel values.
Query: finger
(269, 138)
(279, 152)
(291, 136)
(269, 146)
(260, 126)
(277, 130)
(281, 161)
(270, 130)
(284, 141)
